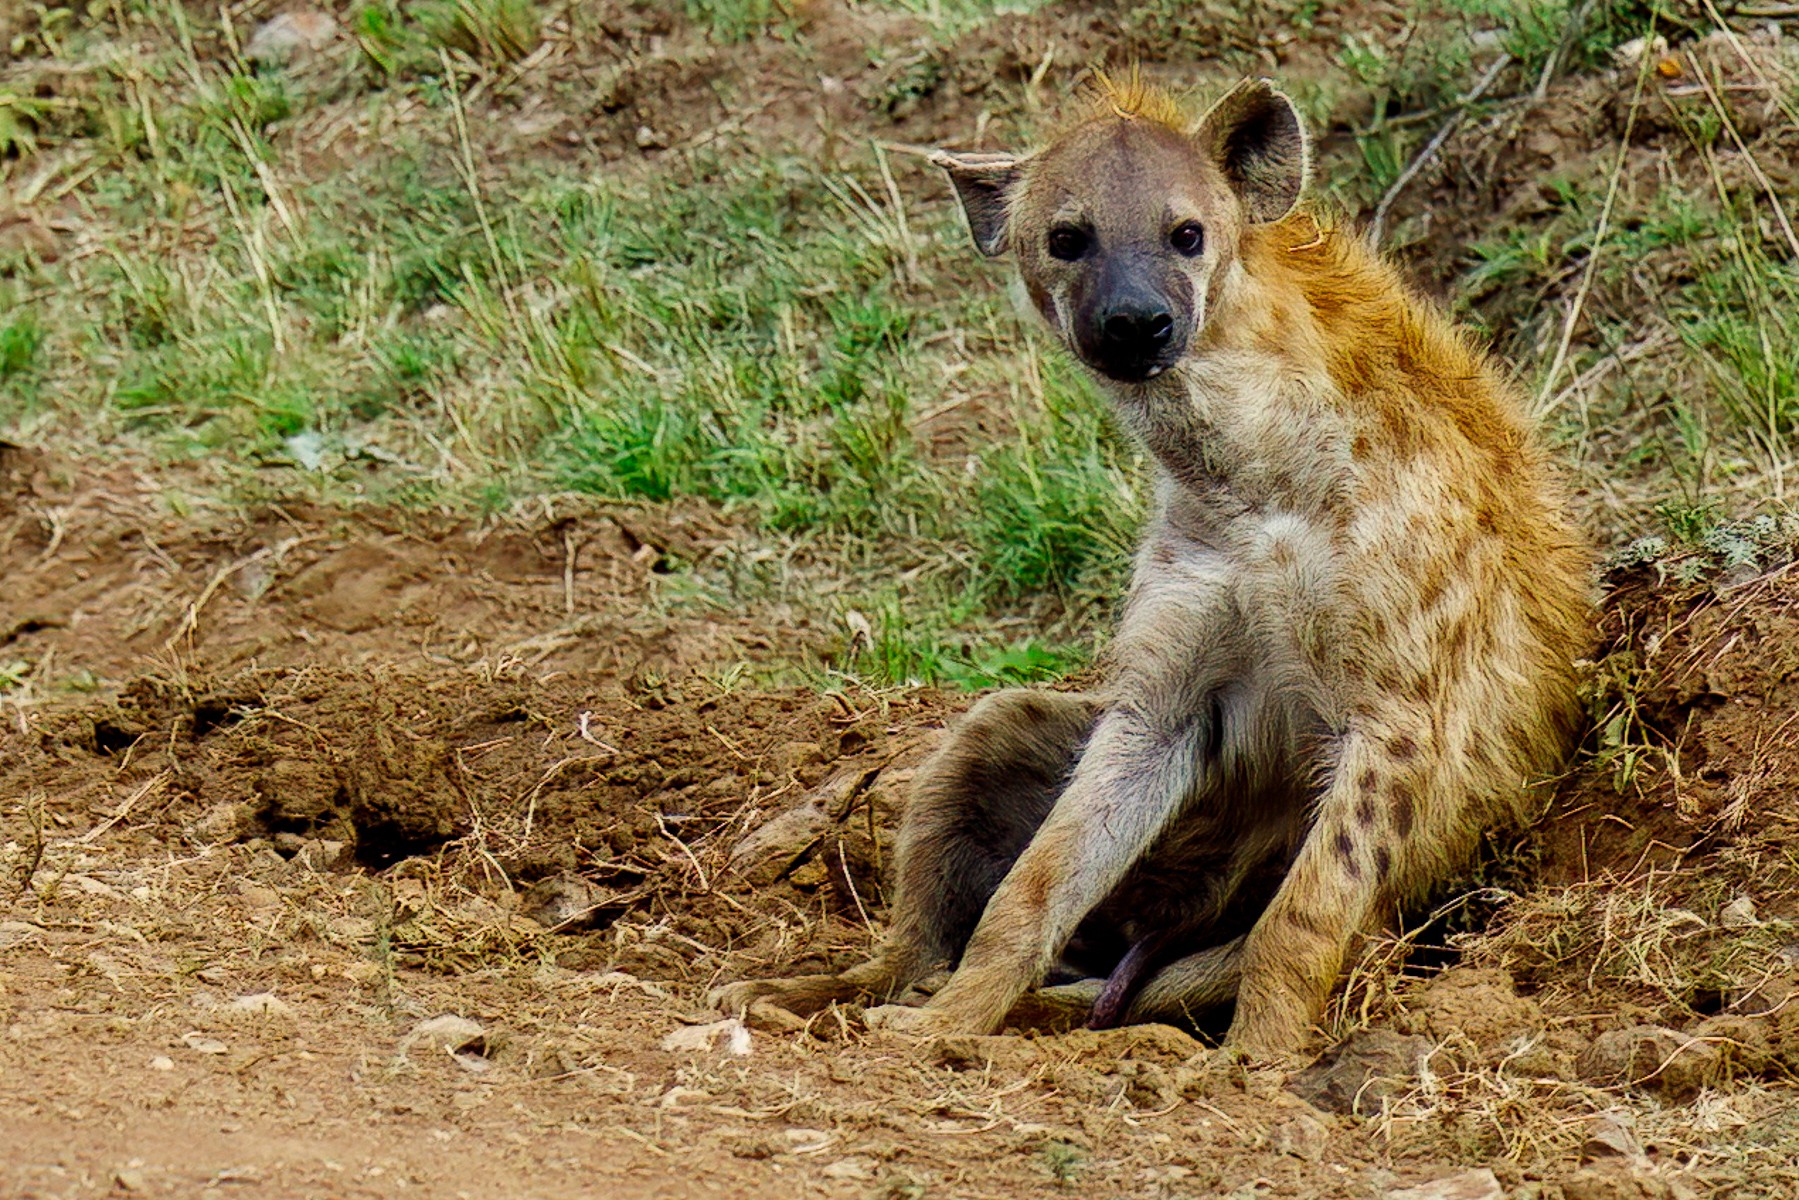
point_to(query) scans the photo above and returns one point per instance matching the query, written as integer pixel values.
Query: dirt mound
(643, 790)
(1664, 887)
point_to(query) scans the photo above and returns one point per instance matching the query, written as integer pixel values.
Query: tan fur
(1347, 649)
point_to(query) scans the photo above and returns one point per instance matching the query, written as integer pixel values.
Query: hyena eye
(1067, 242)
(1188, 237)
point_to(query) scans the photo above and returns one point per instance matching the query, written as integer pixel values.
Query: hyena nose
(1137, 332)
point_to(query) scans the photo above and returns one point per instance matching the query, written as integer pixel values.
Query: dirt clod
(971, 1053)
(1661, 1060)
(1480, 1005)
(1478, 1184)
(570, 904)
(449, 1034)
(1616, 1179)
(1370, 1066)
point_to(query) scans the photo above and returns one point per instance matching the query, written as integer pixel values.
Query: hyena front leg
(1385, 820)
(975, 804)
(1155, 749)
(1131, 781)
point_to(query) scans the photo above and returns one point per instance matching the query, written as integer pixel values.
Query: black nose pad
(1142, 331)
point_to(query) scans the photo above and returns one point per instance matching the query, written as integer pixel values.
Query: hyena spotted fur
(1347, 649)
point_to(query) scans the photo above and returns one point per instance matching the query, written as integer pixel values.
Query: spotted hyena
(1347, 647)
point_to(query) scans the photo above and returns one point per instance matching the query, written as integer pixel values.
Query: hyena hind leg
(975, 805)
(1190, 987)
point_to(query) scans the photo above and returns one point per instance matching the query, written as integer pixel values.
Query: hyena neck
(1250, 418)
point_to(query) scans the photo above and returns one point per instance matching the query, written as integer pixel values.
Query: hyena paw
(915, 1022)
(802, 994)
(736, 998)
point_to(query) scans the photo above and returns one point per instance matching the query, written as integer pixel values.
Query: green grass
(799, 344)
(762, 334)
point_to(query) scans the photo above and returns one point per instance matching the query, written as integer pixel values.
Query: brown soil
(328, 768)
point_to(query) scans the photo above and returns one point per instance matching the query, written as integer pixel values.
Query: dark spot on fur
(1364, 808)
(1402, 748)
(1346, 852)
(1458, 637)
(1405, 810)
(1383, 862)
(1309, 921)
(1431, 591)
(1370, 780)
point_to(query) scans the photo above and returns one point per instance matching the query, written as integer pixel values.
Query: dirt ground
(340, 775)
(373, 852)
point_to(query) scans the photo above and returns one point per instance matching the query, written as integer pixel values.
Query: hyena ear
(983, 183)
(1256, 134)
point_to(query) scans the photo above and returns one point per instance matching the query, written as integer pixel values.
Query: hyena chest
(1290, 588)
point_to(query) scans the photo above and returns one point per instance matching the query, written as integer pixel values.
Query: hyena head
(1126, 225)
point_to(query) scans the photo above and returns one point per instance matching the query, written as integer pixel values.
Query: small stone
(700, 1038)
(769, 1017)
(322, 854)
(199, 1043)
(1371, 1066)
(128, 1179)
(1738, 914)
(262, 1004)
(1609, 1135)
(448, 1033)
(222, 823)
(290, 35)
(856, 1170)
(569, 904)
(808, 1141)
(1478, 1184)
(1304, 1137)
(289, 844)
(649, 139)
(1661, 1060)
(17, 933)
(1628, 54)
(162, 1062)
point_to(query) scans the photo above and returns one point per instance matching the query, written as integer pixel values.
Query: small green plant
(1623, 743)
(495, 31)
(729, 21)
(20, 338)
(1063, 1160)
(19, 119)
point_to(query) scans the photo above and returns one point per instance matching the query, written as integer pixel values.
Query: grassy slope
(331, 280)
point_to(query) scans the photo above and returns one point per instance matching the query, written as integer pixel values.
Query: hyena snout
(1130, 329)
